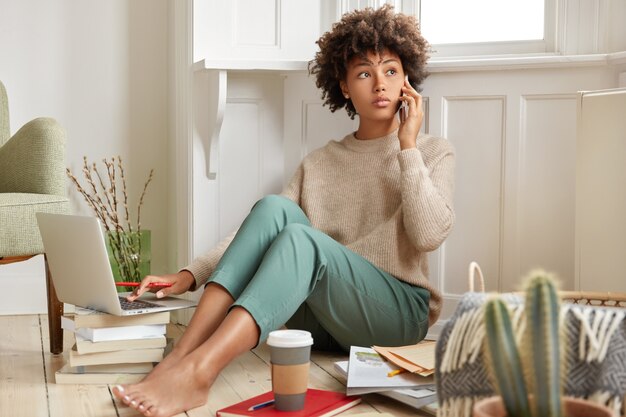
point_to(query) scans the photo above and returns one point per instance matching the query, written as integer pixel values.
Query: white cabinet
(601, 191)
(256, 29)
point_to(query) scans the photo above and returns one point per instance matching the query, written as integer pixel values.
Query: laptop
(81, 271)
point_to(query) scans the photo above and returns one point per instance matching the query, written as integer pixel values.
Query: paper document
(418, 359)
(368, 372)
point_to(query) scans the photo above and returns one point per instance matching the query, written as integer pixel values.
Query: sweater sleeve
(294, 188)
(427, 193)
(203, 266)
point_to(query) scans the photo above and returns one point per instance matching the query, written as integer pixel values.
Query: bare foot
(176, 389)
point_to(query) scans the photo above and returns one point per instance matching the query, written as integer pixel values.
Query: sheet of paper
(422, 354)
(418, 359)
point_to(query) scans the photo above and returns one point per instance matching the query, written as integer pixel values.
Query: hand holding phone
(411, 116)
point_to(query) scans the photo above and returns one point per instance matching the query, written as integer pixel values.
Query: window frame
(547, 45)
(571, 28)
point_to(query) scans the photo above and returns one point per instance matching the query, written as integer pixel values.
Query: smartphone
(404, 110)
(404, 106)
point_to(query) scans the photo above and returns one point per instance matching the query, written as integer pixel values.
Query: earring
(347, 96)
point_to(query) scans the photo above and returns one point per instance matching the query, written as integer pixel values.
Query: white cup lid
(289, 338)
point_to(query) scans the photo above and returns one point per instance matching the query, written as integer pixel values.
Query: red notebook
(318, 403)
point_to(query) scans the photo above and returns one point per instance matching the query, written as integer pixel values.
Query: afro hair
(358, 33)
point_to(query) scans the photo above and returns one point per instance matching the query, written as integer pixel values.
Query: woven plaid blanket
(595, 354)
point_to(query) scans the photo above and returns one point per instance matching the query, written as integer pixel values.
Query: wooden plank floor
(27, 385)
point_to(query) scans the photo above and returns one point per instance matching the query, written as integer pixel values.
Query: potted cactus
(529, 377)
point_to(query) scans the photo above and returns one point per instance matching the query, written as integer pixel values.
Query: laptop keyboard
(137, 304)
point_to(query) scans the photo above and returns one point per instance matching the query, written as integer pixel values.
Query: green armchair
(32, 179)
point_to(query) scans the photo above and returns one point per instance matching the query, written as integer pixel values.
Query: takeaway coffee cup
(290, 353)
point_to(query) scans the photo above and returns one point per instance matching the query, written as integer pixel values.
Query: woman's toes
(118, 390)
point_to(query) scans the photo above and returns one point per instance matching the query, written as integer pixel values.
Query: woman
(343, 251)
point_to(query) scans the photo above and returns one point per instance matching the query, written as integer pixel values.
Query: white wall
(101, 69)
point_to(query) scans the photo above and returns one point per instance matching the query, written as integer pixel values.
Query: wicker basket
(604, 299)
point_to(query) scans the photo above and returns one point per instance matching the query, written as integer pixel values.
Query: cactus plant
(536, 392)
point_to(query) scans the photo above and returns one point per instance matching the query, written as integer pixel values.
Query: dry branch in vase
(108, 198)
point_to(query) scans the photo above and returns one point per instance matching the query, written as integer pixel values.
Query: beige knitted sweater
(389, 206)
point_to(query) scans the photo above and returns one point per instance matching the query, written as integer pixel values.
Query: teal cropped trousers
(285, 272)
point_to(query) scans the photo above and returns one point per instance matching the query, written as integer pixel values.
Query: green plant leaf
(505, 359)
(543, 338)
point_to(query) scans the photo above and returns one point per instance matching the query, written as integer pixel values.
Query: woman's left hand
(411, 124)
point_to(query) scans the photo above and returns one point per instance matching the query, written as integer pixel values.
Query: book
(417, 397)
(318, 403)
(101, 334)
(119, 356)
(103, 374)
(129, 368)
(85, 317)
(84, 345)
(369, 372)
(431, 408)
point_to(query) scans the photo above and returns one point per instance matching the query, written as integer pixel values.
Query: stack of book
(367, 371)
(112, 349)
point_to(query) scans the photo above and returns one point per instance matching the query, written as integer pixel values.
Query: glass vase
(129, 255)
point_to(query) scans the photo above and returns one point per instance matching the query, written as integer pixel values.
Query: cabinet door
(601, 191)
(256, 29)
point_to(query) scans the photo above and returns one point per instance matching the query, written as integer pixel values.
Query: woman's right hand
(181, 282)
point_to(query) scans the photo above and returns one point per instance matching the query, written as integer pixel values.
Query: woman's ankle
(177, 353)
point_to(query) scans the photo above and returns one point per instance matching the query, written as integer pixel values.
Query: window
(472, 27)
